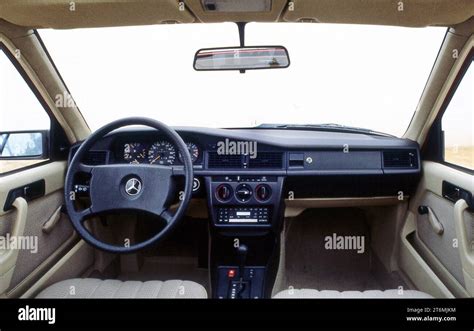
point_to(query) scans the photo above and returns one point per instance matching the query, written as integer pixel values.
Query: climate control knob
(243, 192)
(263, 192)
(224, 192)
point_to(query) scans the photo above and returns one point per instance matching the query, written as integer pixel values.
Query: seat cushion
(96, 288)
(372, 294)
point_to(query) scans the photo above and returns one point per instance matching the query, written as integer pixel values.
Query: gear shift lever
(241, 285)
(242, 255)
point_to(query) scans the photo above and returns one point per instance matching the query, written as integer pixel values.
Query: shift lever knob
(242, 253)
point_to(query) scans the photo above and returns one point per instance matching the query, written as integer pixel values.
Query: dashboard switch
(263, 192)
(243, 192)
(224, 192)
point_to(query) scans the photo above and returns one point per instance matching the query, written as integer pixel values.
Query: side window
(24, 124)
(458, 124)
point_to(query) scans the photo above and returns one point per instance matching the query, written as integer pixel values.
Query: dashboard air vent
(216, 160)
(402, 158)
(267, 160)
(95, 157)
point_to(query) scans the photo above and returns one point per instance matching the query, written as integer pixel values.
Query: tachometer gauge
(134, 153)
(193, 150)
(162, 152)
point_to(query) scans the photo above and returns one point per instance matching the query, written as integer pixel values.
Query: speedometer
(162, 152)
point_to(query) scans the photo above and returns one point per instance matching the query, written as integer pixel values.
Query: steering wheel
(129, 187)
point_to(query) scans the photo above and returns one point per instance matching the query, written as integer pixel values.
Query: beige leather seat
(81, 288)
(372, 294)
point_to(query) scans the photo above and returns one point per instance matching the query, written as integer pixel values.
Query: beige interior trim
(444, 274)
(8, 257)
(432, 181)
(53, 174)
(280, 278)
(413, 13)
(64, 14)
(46, 265)
(38, 84)
(384, 223)
(415, 268)
(465, 246)
(99, 13)
(434, 175)
(447, 86)
(294, 207)
(439, 83)
(72, 265)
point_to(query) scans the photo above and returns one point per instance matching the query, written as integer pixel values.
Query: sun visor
(64, 14)
(411, 13)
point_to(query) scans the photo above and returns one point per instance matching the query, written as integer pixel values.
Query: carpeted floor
(169, 267)
(310, 264)
(177, 257)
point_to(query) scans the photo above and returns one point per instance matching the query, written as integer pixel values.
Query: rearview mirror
(241, 58)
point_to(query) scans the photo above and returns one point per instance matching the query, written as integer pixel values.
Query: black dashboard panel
(313, 163)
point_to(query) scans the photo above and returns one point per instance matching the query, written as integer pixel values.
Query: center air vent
(216, 160)
(401, 158)
(95, 157)
(267, 160)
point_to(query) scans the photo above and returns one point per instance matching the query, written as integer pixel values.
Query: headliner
(102, 13)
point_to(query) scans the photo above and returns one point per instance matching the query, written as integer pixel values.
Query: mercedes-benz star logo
(133, 186)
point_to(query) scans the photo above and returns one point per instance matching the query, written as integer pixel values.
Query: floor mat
(329, 249)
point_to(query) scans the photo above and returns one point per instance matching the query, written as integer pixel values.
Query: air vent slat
(267, 160)
(95, 158)
(401, 159)
(216, 160)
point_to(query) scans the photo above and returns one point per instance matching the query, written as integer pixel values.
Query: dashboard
(309, 163)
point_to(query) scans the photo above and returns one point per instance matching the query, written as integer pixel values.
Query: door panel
(37, 245)
(444, 246)
(441, 245)
(466, 246)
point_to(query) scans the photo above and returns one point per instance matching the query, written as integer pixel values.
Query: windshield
(354, 75)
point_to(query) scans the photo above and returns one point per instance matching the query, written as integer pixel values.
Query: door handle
(52, 221)
(434, 221)
(465, 247)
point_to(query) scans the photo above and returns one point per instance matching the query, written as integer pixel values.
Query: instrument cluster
(160, 152)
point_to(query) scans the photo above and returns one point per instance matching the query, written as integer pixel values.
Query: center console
(246, 215)
(245, 201)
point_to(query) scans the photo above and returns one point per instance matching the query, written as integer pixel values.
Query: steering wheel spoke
(85, 168)
(178, 171)
(83, 214)
(80, 216)
(167, 216)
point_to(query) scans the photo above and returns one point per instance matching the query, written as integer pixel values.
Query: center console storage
(246, 216)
